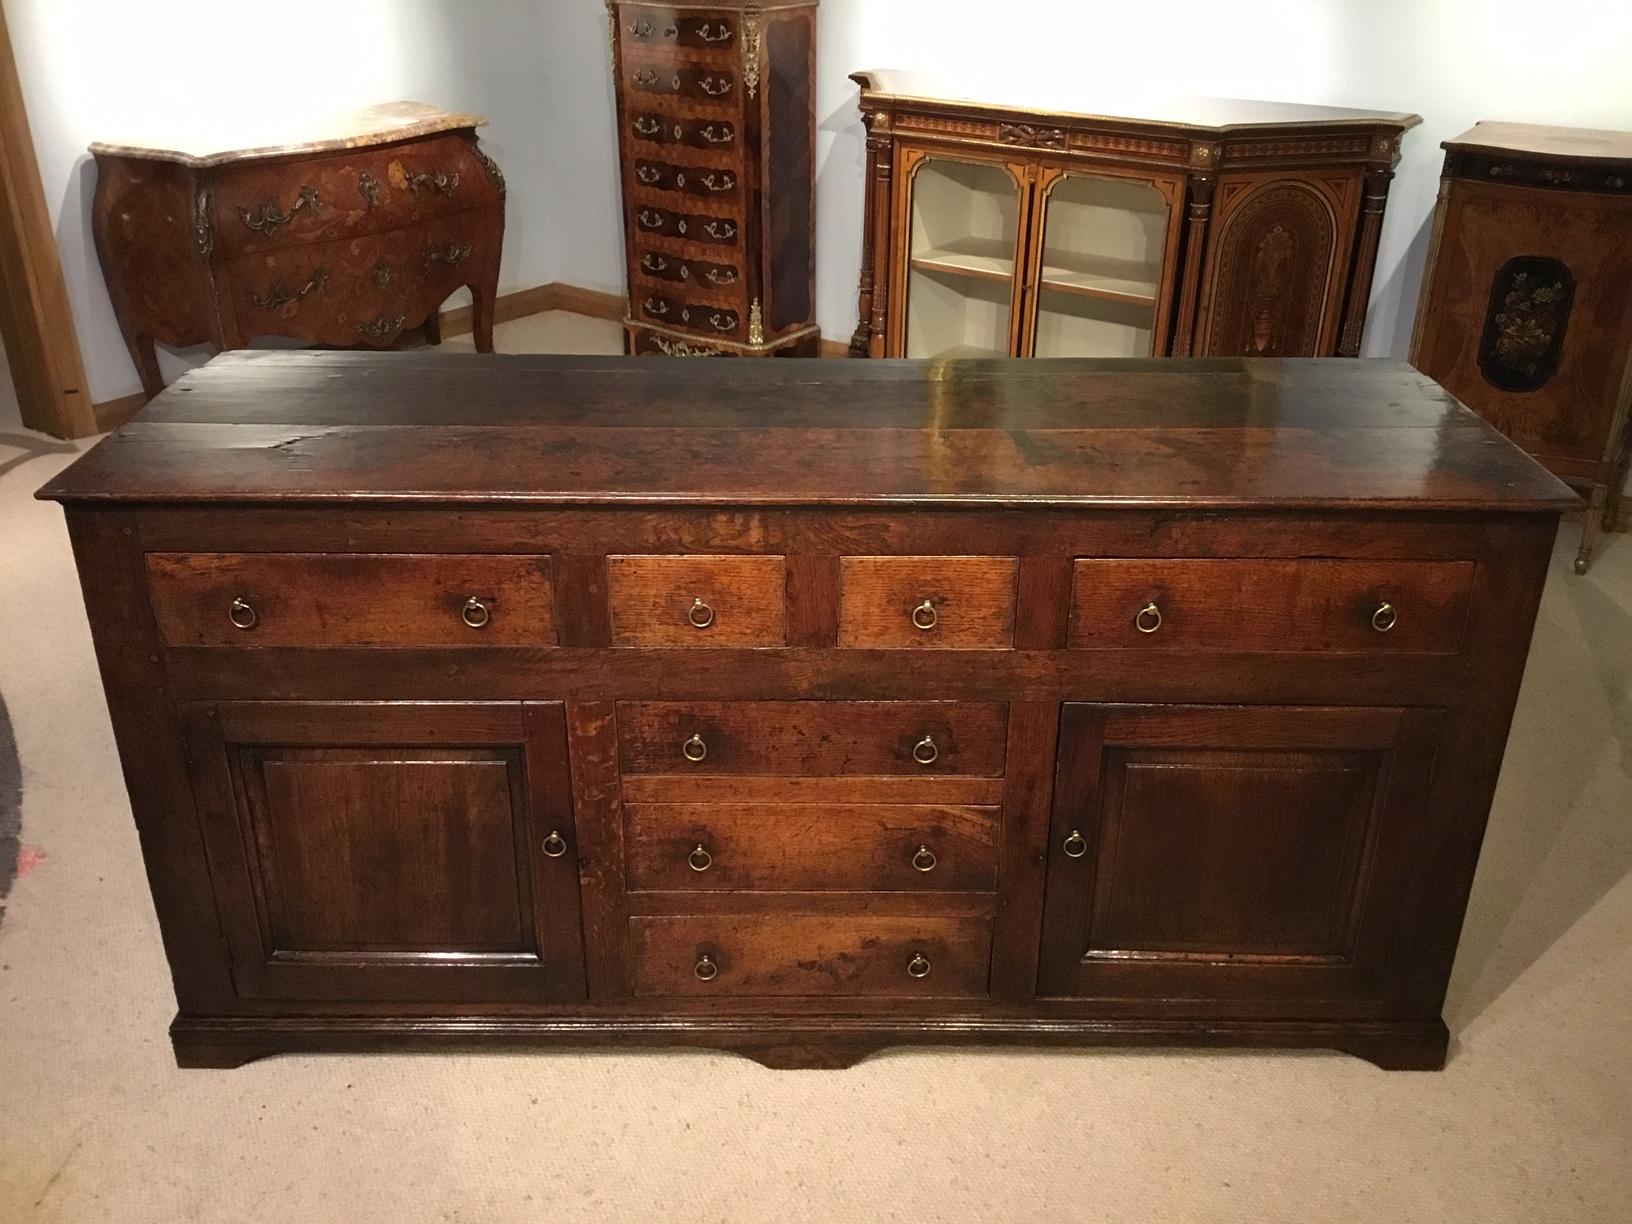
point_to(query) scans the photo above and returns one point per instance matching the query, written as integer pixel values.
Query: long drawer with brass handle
(659, 127)
(753, 955)
(920, 738)
(700, 84)
(709, 182)
(793, 847)
(694, 30)
(356, 599)
(694, 227)
(702, 274)
(720, 322)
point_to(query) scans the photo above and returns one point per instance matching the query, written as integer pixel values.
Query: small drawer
(711, 320)
(816, 847)
(646, 27)
(701, 84)
(946, 603)
(714, 231)
(708, 277)
(924, 738)
(709, 182)
(658, 128)
(356, 599)
(697, 601)
(1255, 604)
(761, 955)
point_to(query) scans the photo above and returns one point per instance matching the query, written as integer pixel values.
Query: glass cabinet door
(1100, 274)
(964, 242)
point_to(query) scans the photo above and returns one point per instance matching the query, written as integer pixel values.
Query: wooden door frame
(36, 324)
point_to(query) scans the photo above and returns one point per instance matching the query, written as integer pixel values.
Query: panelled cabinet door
(1256, 856)
(392, 851)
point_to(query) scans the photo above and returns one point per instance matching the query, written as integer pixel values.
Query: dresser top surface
(207, 144)
(1539, 140)
(1201, 114)
(443, 428)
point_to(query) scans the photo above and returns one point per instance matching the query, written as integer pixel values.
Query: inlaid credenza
(805, 709)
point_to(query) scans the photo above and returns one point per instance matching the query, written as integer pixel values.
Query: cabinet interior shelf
(1110, 280)
(985, 258)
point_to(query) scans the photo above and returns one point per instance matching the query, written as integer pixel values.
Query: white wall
(93, 70)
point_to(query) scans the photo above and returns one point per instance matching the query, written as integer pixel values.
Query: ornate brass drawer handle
(723, 321)
(269, 218)
(1075, 845)
(723, 230)
(719, 135)
(925, 752)
(694, 749)
(924, 860)
(701, 615)
(555, 845)
(439, 181)
(722, 276)
(647, 175)
(656, 306)
(242, 614)
(723, 34)
(650, 218)
(654, 263)
(369, 188)
(1149, 619)
(475, 613)
(705, 969)
(645, 125)
(715, 87)
(1384, 618)
(700, 860)
(278, 295)
(383, 327)
(454, 254)
(918, 966)
(723, 181)
(925, 617)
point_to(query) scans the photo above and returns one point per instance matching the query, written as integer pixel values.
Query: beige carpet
(1531, 1122)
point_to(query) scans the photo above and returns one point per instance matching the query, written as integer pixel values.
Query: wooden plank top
(1204, 116)
(1537, 140)
(373, 125)
(436, 427)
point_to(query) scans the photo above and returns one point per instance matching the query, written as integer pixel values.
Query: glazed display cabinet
(1218, 228)
(717, 134)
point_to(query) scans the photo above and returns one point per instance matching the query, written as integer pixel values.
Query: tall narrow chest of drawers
(806, 709)
(717, 127)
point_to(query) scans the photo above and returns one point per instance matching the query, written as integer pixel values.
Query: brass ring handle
(694, 749)
(242, 615)
(925, 617)
(555, 845)
(1076, 845)
(701, 614)
(475, 613)
(700, 860)
(1384, 618)
(1149, 619)
(924, 859)
(925, 752)
(918, 966)
(705, 969)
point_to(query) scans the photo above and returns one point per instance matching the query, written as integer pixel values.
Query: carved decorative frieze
(1031, 136)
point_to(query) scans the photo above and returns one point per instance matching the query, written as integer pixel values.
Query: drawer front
(643, 28)
(693, 227)
(709, 182)
(946, 603)
(706, 276)
(774, 955)
(697, 601)
(648, 344)
(365, 290)
(656, 128)
(1270, 605)
(262, 206)
(301, 599)
(721, 321)
(925, 738)
(700, 84)
(838, 847)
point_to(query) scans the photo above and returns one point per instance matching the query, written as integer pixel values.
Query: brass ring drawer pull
(925, 617)
(555, 845)
(918, 966)
(924, 859)
(1076, 845)
(475, 613)
(700, 860)
(694, 749)
(1149, 619)
(705, 969)
(242, 615)
(925, 752)
(1385, 618)
(701, 614)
